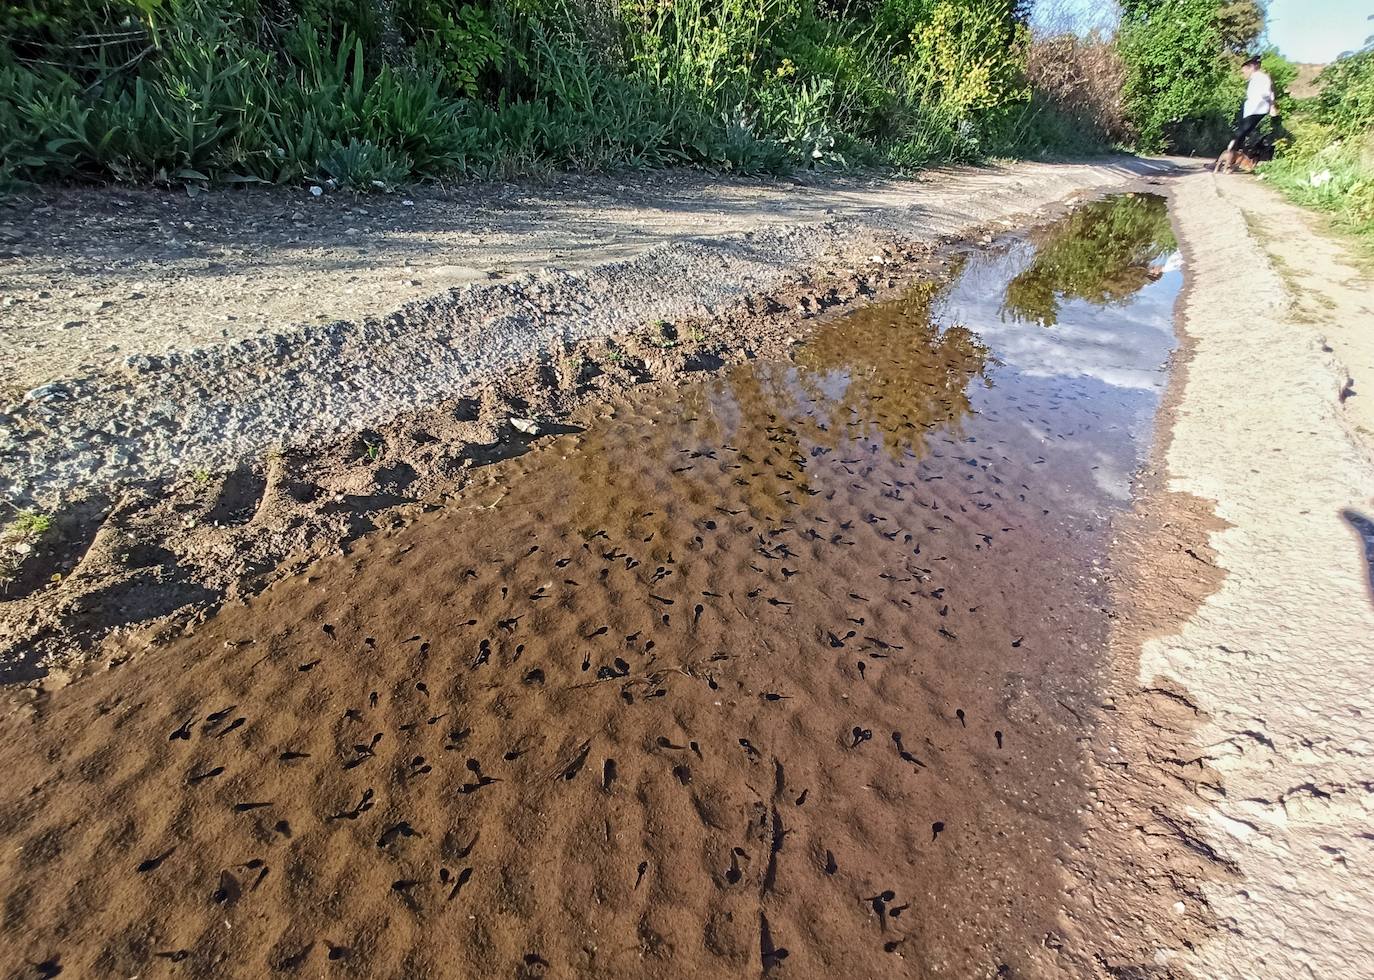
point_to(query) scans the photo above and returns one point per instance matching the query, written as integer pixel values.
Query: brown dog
(1234, 160)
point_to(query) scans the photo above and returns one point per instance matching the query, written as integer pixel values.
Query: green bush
(374, 94)
(1181, 89)
(1328, 160)
(1346, 100)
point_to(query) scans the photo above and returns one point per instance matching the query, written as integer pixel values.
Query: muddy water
(784, 671)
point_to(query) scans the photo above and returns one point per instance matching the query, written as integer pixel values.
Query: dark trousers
(1246, 128)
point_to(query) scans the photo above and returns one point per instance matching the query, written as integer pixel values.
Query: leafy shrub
(1181, 91)
(363, 165)
(375, 93)
(1346, 100)
(1080, 79)
(460, 41)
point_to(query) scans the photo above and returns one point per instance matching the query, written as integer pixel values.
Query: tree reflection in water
(1102, 253)
(886, 375)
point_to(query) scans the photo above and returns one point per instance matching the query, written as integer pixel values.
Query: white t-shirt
(1259, 95)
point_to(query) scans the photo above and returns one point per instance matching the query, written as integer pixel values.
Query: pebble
(51, 392)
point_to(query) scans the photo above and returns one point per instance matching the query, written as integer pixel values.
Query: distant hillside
(1305, 85)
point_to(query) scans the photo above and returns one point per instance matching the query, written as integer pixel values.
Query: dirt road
(154, 387)
(968, 636)
(1271, 433)
(185, 473)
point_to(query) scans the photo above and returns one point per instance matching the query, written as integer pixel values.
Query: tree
(1240, 22)
(1181, 88)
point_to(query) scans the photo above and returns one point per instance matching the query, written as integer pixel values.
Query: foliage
(1328, 162)
(1346, 100)
(965, 63)
(374, 93)
(30, 524)
(1101, 254)
(1076, 82)
(460, 41)
(1181, 90)
(363, 165)
(212, 106)
(1240, 23)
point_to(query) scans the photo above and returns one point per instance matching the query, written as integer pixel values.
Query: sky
(1319, 30)
(1304, 30)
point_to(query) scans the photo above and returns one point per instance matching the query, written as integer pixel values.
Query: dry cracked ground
(966, 576)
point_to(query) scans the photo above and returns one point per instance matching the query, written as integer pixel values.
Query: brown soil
(126, 557)
(695, 688)
(602, 713)
(1145, 857)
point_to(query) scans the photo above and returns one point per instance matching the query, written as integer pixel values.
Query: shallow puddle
(785, 670)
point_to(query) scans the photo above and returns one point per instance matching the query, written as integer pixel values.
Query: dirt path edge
(1269, 671)
(207, 408)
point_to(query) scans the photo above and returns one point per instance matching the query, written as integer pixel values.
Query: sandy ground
(758, 649)
(91, 279)
(1276, 661)
(178, 399)
(1327, 288)
(1202, 815)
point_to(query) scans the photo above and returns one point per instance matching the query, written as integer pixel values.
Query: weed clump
(18, 539)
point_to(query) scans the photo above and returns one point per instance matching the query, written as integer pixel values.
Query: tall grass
(190, 91)
(1328, 161)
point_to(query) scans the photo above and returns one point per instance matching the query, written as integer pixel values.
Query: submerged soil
(789, 670)
(194, 478)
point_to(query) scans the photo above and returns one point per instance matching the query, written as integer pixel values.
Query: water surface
(786, 670)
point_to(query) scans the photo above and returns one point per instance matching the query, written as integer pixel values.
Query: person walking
(1259, 102)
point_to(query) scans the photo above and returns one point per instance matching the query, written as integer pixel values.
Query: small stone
(316, 191)
(51, 392)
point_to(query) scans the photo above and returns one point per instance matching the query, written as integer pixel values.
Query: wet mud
(786, 671)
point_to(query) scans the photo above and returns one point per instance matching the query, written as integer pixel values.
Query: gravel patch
(176, 404)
